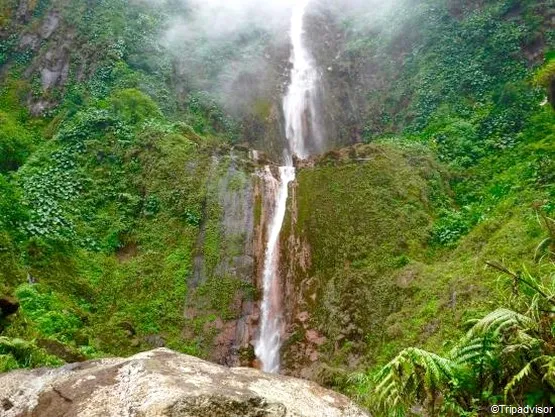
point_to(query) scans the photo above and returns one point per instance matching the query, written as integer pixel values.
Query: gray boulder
(164, 383)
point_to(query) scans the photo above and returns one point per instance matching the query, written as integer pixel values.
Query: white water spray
(299, 112)
(299, 104)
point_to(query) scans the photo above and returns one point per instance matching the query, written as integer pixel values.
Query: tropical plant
(507, 356)
(15, 144)
(17, 353)
(415, 376)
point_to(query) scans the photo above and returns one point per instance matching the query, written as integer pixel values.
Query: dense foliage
(112, 157)
(506, 357)
(470, 82)
(102, 192)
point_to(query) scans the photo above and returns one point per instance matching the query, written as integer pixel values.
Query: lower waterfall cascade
(269, 343)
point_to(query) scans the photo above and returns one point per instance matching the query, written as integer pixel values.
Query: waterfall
(300, 121)
(269, 342)
(299, 104)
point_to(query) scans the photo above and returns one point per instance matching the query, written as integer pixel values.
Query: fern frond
(500, 320)
(522, 341)
(549, 367)
(475, 349)
(543, 244)
(412, 376)
(359, 378)
(518, 378)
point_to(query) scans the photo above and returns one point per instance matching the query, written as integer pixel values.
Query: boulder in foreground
(163, 383)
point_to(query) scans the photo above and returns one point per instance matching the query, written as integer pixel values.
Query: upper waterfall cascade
(300, 122)
(299, 104)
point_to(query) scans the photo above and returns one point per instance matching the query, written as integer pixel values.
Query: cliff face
(50, 47)
(225, 263)
(356, 217)
(364, 276)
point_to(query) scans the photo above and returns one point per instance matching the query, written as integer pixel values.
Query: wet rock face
(229, 209)
(164, 383)
(332, 283)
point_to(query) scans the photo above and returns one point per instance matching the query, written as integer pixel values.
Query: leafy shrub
(133, 106)
(6, 47)
(545, 77)
(50, 315)
(17, 353)
(192, 217)
(151, 206)
(206, 116)
(457, 142)
(453, 224)
(12, 212)
(546, 74)
(16, 144)
(91, 124)
(47, 190)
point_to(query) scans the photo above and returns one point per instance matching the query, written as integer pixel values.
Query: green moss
(363, 217)
(222, 292)
(133, 106)
(49, 314)
(16, 144)
(257, 209)
(354, 212)
(262, 109)
(238, 181)
(213, 237)
(16, 353)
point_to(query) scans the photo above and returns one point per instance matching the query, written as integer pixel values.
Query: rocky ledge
(164, 383)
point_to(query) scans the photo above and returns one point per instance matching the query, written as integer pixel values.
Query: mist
(238, 50)
(213, 19)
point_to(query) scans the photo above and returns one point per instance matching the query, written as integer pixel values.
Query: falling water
(299, 104)
(269, 342)
(298, 109)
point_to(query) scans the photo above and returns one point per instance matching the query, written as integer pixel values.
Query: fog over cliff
(251, 39)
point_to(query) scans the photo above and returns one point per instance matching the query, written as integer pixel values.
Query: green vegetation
(467, 86)
(17, 353)
(15, 144)
(100, 217)
(506, 357)
(103, 193)
(117, 170)
(361, 230)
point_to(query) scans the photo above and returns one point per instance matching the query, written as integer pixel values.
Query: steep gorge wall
(357, 216)
(223, 280)
(354, 249)
(363, 275)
